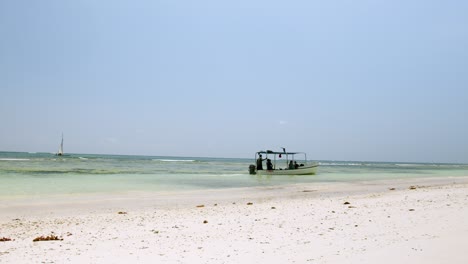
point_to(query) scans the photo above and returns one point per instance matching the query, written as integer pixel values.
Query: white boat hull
(304, 170)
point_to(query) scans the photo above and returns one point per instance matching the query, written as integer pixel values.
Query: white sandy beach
(362, 222)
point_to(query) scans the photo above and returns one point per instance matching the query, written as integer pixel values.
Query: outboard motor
(252, 169)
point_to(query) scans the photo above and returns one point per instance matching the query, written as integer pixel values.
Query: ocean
(41, 174)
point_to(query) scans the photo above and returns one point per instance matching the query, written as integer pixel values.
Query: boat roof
(278, 152)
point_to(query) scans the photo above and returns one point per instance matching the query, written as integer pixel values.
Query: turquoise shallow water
(39, 174)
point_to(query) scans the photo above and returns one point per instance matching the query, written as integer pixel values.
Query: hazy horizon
(241, 158)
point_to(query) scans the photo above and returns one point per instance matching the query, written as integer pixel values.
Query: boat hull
(306, 170)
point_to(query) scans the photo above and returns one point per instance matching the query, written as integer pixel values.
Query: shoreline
(353, 222)
(140, 200)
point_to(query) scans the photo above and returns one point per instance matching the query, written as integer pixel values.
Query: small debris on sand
(47, 238)
(412, 187)
(4, 239)
(249, 203)
(346, 203)
(201, 205)
(122, 212)
(392, 189)
(273, 207)
(205, 222)
(411, 210)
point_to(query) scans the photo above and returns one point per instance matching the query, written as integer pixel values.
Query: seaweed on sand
(47, 238)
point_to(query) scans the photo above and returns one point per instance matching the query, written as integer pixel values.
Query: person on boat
(269, 164)
(260, 162)
(296, 165)
(291, 165)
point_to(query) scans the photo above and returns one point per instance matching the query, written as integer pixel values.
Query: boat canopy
(279, 152)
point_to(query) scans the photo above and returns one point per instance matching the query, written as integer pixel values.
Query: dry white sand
(362, 222)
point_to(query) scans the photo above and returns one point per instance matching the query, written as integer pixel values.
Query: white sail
(60, 152)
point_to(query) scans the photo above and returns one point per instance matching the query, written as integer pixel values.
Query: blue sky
(341, 80)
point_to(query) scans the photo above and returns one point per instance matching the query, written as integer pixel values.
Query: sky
(339, 79)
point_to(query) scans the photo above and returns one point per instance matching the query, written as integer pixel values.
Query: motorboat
(282, 163)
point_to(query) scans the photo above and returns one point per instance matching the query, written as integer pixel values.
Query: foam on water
(173, 160)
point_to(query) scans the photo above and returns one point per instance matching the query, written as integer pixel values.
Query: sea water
(42, 174)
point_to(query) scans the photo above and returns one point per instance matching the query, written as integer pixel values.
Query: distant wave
(341, 164)
(407, 165)
(12, 159)
(172, 160)
(68, 171)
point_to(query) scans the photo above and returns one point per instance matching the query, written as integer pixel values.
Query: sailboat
(60, 151)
